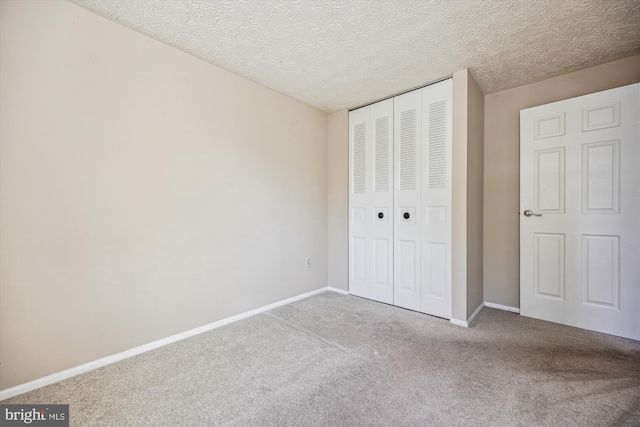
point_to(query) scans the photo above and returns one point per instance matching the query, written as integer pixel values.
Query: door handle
(529, 213)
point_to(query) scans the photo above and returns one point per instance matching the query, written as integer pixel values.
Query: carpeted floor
(338, 360)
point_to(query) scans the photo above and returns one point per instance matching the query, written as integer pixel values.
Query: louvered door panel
(436, 199)
(359, 158)
(359, 203)
(407, 165)
(381, 122)
(408, 145)
(436, 142)
(382, 128)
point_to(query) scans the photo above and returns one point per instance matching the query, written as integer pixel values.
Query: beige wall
(338, 199)
(502, 170)
(475, 195)
(467, 198)
(459, 196)
(143, 192)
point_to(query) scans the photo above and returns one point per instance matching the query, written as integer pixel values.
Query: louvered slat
(359, 158)
(408, 150)
(436, 145)
(382, 154)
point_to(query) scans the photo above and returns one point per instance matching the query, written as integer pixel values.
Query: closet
(400, 175)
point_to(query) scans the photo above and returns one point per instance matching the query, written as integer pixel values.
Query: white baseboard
(90, 366)
(502, 307)
(475, 314)
(338, 290)
(471, 318)
(459, 322)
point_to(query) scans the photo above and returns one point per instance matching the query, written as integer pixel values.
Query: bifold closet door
(371, 202)
(422, 199)
(400, 200)
(407, 195)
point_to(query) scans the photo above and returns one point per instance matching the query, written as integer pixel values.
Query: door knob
(406, 215)
(529, 213)
(380, 215)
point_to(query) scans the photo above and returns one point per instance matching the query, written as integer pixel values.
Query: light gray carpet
(340, 360)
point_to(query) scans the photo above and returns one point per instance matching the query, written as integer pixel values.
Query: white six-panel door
(400, 200)
(371, 202)
(580, 190)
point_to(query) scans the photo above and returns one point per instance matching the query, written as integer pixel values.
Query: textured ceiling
(335, 54)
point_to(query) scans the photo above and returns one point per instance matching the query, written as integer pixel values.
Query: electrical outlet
(307, 262)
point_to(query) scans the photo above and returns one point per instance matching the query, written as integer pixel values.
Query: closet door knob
(380, 215)
(406, 215)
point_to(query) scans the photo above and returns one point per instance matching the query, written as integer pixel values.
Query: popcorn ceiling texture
(334, 54)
